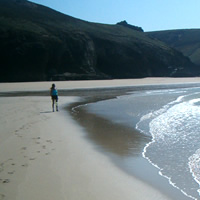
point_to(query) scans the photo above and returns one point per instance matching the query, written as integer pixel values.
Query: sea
(171, 118)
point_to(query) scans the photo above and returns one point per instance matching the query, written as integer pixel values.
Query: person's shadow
(46, 112)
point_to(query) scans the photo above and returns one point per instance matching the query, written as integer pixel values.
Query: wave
(174, 128)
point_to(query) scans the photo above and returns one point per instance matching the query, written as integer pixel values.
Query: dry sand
(45, 155)
(40, 86)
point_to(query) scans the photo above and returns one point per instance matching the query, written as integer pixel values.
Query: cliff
(38, 44)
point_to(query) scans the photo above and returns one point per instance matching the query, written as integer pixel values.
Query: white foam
(194, 166)
(159, 126)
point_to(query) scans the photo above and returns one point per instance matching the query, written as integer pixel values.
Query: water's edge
(141, 167)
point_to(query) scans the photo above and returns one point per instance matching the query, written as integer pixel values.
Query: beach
(47, 155)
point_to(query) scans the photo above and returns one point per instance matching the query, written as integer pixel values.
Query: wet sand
(124, 147)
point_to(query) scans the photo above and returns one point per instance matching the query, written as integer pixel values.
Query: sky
(151, 15)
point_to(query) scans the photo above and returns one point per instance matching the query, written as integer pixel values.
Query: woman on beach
(54, 96)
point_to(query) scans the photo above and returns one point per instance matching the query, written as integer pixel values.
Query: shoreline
(43, 160)
(113, 140)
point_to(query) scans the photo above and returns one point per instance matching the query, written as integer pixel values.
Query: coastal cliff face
(38, 43)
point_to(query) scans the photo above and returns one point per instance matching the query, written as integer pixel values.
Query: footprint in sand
(49, 141)
(37, 138)
(25, 165)
(12, 172)
(2, 196)
(37, 143)
(22, 127)
(6, 163)
(4, 180)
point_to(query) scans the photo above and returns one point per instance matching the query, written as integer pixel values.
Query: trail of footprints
(44, 148)
(8, 167)
(19, 132)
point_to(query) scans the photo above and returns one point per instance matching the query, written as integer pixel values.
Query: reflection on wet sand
(123, 145)
(110, 137)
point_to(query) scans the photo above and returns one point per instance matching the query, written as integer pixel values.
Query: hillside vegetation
(38, 43)
(186, 40)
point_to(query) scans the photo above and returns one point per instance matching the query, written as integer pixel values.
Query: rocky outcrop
(125, 24)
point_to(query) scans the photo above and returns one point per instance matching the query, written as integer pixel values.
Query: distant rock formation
(125, 24)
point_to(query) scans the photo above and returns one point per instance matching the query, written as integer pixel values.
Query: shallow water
(172, 118)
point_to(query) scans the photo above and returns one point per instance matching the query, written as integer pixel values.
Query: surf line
(153, 115)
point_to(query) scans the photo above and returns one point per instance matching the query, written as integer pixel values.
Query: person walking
(54, 96)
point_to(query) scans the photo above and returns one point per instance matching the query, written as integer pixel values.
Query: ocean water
(172, 118)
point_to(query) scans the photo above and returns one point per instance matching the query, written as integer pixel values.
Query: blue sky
(151, 15)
